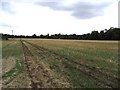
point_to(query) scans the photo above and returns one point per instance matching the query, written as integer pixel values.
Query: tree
(101, 35)
(94, 35)
(113, 34)
(4, 36)
(34, 35)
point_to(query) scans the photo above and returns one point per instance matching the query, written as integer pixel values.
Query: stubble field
(44, 63)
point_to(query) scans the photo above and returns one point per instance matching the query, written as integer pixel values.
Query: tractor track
(39, 76)
(98, 75)
(81, 85)
(26, 54)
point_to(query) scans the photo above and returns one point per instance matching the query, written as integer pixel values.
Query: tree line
(107, 34)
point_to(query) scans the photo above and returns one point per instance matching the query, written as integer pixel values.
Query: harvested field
(61, 64)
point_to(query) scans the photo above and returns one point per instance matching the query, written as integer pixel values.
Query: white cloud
(29, 19)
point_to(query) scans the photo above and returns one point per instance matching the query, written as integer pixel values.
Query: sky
(28, 17)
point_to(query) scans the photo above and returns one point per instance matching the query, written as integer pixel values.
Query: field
(44, 63)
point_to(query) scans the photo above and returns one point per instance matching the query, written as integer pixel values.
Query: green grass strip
(14, 71)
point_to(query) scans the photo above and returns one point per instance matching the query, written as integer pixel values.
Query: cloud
(6, 25)
(55, 5)
(80, 10)
(6, 6)
(84, 10)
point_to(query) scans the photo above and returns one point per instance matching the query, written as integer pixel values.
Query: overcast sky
(28, 17)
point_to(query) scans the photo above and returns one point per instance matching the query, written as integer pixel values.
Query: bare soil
(8, 64)
(40, 74)
(21, 81)
(101, 77)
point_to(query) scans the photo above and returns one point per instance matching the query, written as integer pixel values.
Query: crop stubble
(100, 77)
(39, 76)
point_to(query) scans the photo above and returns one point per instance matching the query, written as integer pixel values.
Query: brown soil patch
(48, 77)
(21, 81)
(8, 64)
(40, 74)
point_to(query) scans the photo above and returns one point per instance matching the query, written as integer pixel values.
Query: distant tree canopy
(5, 37)
(110, 34)
(113, 34)
(34, 35)
(94, 35)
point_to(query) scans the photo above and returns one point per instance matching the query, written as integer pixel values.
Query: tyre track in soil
(99, 76)
(82, 86)
(36, 72)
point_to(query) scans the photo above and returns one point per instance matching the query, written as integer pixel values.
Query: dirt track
(39, 75)
(100, 77)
